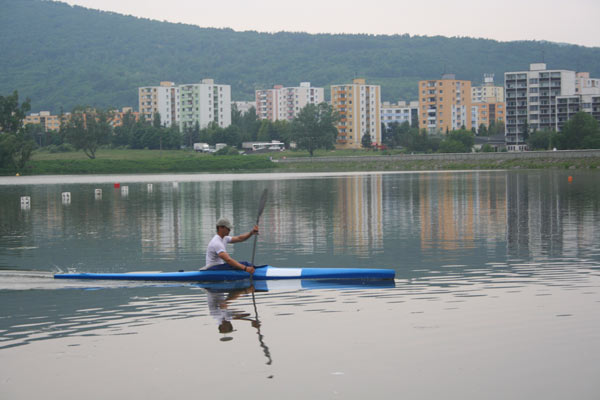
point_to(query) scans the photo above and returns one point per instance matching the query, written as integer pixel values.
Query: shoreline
(145, 163)
(197, 177)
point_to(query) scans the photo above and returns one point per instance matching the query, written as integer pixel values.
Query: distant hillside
(62, 56)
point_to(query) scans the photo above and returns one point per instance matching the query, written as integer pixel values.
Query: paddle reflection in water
(218, 301)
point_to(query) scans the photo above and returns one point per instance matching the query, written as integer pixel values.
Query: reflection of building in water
(358, 222)
(534, 215)
(457, 209)
(160, 227)
(185, 213)
(292, 219)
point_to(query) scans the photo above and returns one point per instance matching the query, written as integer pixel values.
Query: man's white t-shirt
(215, 247)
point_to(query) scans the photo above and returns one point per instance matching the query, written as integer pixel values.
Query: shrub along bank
(147, 162)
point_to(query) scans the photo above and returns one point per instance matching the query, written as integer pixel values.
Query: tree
(487, 148)
(35, 132)
(525, 134)
(496, 128)
(460, 141)
(123, 135)
(264, 132)
(314, 127)
(231, 136)
(541, 140)
(451, 146)
(580, 132)
(156, 120)
(482, 131)
(15, 146)
(171, 137)
(366, 141)
(88, 130)
(247, 123)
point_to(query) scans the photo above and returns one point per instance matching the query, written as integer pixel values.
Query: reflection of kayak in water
(262, 273)
(297, 284)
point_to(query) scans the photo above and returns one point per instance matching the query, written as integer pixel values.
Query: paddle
(261, 207)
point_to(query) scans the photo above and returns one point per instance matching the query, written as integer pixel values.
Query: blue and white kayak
(264, 272)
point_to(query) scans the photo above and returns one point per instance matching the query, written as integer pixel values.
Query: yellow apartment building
(116, 118)
(162, 100)
(49, 122)
(444, 104)
(483, 113)
(358, 106)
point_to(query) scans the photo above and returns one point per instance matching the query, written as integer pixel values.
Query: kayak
(262, 273)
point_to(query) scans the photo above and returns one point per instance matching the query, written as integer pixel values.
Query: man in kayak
(216, 254)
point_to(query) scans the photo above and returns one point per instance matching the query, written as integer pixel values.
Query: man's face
(224, 230)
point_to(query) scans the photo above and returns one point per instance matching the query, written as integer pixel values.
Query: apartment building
(284, 103)
(204, 103)
(487, 92)
(545, 99)
(486, 112)
(358, 106)
(531, 99)
(118, 116)
(586, 99)
(400, 112)
(445, 104)
(45, 119)
(161, 99)
(586, 85)
(568, 106)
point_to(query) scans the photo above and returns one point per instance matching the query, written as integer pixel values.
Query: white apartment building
(204, 103)
(586, 99)
(400, 112)
(358, 106)
(487, 92)
(163, 99)
(284, 103)
(531, 100)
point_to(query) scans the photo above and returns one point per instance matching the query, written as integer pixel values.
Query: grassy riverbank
(140, 161)
(179, 161)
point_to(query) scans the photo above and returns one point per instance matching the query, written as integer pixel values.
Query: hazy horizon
(510, 21)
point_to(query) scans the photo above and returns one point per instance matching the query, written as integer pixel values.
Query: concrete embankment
(530, 159)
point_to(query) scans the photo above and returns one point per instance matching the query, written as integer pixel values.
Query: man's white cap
(224, 222)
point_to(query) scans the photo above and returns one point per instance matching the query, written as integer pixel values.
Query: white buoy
(175, 185)
(124, 190)
(150, 188)
(66, 197)
(25, 202)
(98, 194)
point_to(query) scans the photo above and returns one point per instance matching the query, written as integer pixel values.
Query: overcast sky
(573, 21)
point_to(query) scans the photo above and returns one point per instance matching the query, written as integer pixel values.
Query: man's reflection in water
(218, 304)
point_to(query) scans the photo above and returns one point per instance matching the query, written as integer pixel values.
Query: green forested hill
(62, 56)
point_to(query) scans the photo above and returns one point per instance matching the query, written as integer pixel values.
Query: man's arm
(227, 258)
(245, 236)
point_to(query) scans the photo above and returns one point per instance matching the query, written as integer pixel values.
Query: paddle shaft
(261, 207)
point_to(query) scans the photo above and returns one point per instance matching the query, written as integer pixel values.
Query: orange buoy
(570, 179)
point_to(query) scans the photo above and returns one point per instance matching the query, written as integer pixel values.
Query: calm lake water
(497, 290)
